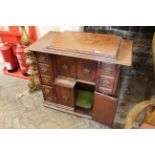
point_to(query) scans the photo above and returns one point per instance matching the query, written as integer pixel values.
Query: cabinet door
(104, 108)
(65, 96)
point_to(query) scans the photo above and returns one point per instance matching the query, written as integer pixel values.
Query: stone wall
(142, 38)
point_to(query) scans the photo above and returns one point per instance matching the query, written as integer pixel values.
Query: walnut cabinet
(82, 67)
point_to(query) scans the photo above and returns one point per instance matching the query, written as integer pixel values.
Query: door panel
(64, 96)
(104, 108)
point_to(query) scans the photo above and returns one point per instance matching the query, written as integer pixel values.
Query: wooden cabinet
(71, 62)
(104, 108)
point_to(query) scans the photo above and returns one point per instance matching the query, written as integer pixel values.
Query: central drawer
(86, 70)
(66, 66)
(65, 91)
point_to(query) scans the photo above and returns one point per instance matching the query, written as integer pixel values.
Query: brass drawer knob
(47, 91)
(108, 70)
(44, 69)
(65, 97)
(41, 58)
(46, 80)
(86, 70)
(106, 83)
(64, 67)
(49, 98)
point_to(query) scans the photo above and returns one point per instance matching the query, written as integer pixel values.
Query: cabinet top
(92, 46)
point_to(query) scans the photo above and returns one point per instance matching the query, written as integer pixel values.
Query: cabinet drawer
(66, 66)
(49, 94)
(65, 96)
(104, 109)
(106, 82)
(108, 69)
(86, 70)
(46, 80)
(105, 90)
(42, 58)
(44, 69)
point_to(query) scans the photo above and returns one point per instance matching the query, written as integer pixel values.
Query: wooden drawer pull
(64, 67)
(86, 70)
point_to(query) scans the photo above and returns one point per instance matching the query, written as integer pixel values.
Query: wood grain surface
(120, 51)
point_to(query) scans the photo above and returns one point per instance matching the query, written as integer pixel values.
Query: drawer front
(86, 70)
(106, 82)
(108, 69)
(105, 90)
(66, 66)
(49, 94)
(64, 96)
(44, 69)
(46, 80)
(42, 58)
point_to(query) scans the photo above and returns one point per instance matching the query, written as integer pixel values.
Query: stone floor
(21, 109)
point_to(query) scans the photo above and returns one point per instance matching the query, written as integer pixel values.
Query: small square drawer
(106, 82)
(108, 69)
(86, 70)
(48, 92)
(65, 96)
(66, 66)
(46, 80)
(42, 58)
(44, 69)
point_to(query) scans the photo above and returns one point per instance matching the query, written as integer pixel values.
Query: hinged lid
(86, 43)
(114, 49)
